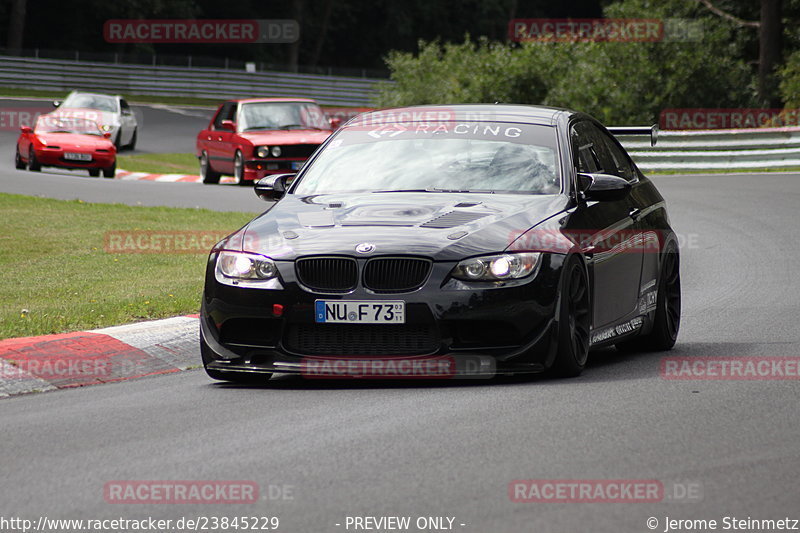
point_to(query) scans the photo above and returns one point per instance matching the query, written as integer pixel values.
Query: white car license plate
(77, 157)
(360, 312)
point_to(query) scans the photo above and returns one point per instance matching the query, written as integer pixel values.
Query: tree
(16, 26)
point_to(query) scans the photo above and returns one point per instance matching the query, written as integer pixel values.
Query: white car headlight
(496, 267)
(241, 265)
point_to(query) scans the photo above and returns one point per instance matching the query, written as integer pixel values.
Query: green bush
(617, 82)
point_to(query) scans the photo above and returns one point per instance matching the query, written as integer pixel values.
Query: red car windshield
(54, 124)
(281, 116)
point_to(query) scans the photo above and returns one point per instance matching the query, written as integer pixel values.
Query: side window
(126, 109)
(621, 163)
(226, 112)
(583, 149)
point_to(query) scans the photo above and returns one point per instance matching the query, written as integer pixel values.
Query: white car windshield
(281, 116)
(460, 156)
(91, 101)
(58, 124)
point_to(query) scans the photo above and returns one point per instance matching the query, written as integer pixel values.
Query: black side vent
(453, 219)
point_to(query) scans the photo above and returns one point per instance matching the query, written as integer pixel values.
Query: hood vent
(453, 219)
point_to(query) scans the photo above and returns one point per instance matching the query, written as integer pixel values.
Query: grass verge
(56, 276)
(160, 163)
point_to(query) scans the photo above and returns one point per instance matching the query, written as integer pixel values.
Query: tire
(667, 320)
(94, 172)
(132, 144)
(19, 164)
(33, 164)
(238, 168)
(110, 172)
(574, 319)
(207, 174)
(118, 140)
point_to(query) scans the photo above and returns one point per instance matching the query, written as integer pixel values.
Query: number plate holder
(360, 311)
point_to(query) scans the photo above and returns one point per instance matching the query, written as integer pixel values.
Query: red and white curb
(167, 178)
(49, 362)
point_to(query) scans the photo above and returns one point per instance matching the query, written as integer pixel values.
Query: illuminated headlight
(276, 151)
(107, 127)
(240, 265)
(496, 267)
(262, 151)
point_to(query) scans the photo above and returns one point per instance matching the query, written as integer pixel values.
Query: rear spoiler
(652, 131)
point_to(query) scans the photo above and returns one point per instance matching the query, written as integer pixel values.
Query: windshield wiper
(409, 190)
(259, 128)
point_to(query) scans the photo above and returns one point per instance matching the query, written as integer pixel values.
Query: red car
(66, 142)
(251, 138)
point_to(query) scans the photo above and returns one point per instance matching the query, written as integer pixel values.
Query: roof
(256, 100)
(469, 112)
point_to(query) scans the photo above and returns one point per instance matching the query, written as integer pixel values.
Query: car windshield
(56, 124)
(91, 101)
(281, 116)
(448, 156)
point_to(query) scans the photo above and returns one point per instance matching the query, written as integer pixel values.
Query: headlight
(240, 265)
(496, 267)
(262, 151)
(276, 151)
(107, 127)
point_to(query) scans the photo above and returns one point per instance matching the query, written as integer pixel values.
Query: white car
(112, 113)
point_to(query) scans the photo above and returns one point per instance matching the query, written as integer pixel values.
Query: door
(611, 232)
(219, 140)
(127, 122)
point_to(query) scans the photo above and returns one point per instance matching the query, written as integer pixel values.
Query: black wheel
(33, 164)
(94, 172)
(667, 319)
(110, 172)
(132, 144)
(238, 168)
(207, 174)
(18, 162)
(573, 321)
(118, 140)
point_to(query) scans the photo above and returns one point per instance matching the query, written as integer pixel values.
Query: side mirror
(56, 103)
(107, 134)
(228, 125)
(26, 129)
(335, 122)
(604, 187)
(272, 187)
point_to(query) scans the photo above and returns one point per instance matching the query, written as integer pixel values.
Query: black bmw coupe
(457, 241)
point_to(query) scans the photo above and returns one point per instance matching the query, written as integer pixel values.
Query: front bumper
(478, 331)
(55, 158)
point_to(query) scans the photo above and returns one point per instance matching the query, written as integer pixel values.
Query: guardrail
(59, 75)
(716, 149)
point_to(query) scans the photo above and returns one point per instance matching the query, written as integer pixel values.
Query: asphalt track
(419, 449)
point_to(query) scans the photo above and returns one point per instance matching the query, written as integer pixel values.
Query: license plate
(297, 165)
(77, 157)
(360, 312)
